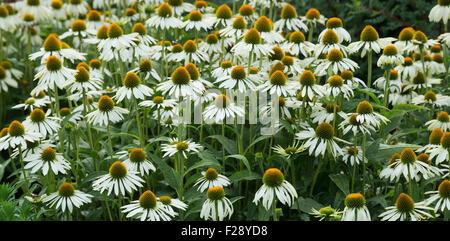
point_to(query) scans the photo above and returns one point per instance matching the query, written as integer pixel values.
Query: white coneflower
(442, 121)
(395, 83)
(433, 99)
(238, 78)
(370, 40)
(136, 160)
(407, 69)
(70, 116)
(292, 65)
(265, 27)
(223, 16)
(355, 208)
(190, 53)
(420, 42)
(235, 30)
(216, 206)
(313, 17)
(390, 57)
(53, 74)
(388, 172)
(329, 41)
(67, 197)
(289, 20)
(320, 140)
(211, 178)
(222, 108)
(251, 43)
(6, 80)
(179, 84)
(164, 18)
(326, 213)
(336, 63)
(197, 21)
(30, 104)
(41, 122)
(196, 78)
(179, 6)
(406, 209)
(410, 167)
(445, 38)
(439, 12)
(76, 7)
(351, 80)
(366, 114)
(38, 10)
(132, 88)
(148, 208)
(420, 81)
(308, 86)
(146, 70)
(78, 30)
(277, 84)
(441, 197)
(119, 179)
(158, 103)
(106, 112)
(211, 45)
(203, 7)
(326, 114)
(297, 45)
(275, 186)
(352, 124)
(17, 135)
(353, 156)
(53, 46)
(441, 152)
(47, 160)
(94, 20)
(224, 69)
(336, 87)
(183, 147)
(170, 203)
(436, 66)
(337, 26)
(84, 81)
(434, 141)
(116, 44)
(290, 150)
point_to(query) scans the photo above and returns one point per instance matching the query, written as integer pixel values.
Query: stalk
(315, 176)
(369, 70)
(27, 190)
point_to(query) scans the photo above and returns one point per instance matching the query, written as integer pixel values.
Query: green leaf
(204, 163)
(371, 94)
(242, 158)
(244, 175)
(341, 182)
(261, 138)
(170, 175)
(386, 151)
(307, 204)
(230, 145)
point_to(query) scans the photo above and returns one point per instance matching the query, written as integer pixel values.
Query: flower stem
(364, 163)
(315, 176)
(369, 70)
(27, 190)
(223, 146)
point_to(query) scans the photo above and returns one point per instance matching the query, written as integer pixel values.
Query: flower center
(369, 34)
(102, 32)
(48, 154)
(75, 2)
(82, 75)
(66, 190)
(404, 203)
(435, 136)
(297, 37)
(335, 55)
(53, 63)
(430, 96)
(424, 158)
(330, 37)
(355, 200)
(277, 53)
(145, 65)
(246, 10)
(30, 101)
(3, 12)
(238, 73)
(37, 115)
(2, 73)
(175, 3)
(224, 12)
(364, 107)
(33, 2)
(353, 120)
(443, 117)
(164, 10)
(200, 4)
(408, 156)
(278, 66)
(195, 16)
(16, 129)
(147, 200)
(212, 39)
(190, 46)
(307, 78)
(4, 132)
(222, 101)
(78, 25)
(290, 150)
(28, 17)
(436, 48)
(115, 31)
(394, 158)
(278, 78)
(263, 24)
(287, 60)
(181, 76)
(193, 71)
(420, 36)
(211, 174)
(118, 170)
(131, 80)
(335, 81)
(330, 108)
(64, 111)
(334, 23)
(444, 189)
(137, 155)
(408, 61)
(288, 12)
(390, 50)
(52, 43)
(254, 70)
(444, 2)
(273, 177)
(182, 146)
(215, 193)
(166, 200)
(105, 103)
(281, 101)
(312, 13)
(30, 144)
(325, 131)
(130, 12)
(139, 28)
(239, 23)
(419, 79)
(226, 64)
(406, 34)
(95, 63)
(438, 58)
(347, 75)
(94, 16)
(445, 140)
(352, 151)
(158, 99)
(252, 37)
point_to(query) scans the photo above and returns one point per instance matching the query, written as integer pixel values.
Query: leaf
(341, 182)
(242, 158)
(386, 151)
(208, 163)
(170, 175)
(230, 145)
(256, 141)
(307, 204)
(371, 94)
(244, 175)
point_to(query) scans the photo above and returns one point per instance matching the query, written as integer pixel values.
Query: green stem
(315, 176)
(27, 190)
